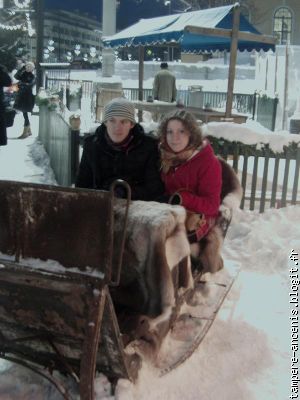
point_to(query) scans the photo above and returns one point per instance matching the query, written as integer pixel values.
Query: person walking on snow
(164, 85)
(25, 98)
(120, 149)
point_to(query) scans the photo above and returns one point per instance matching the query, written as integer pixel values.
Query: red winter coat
(199, 182)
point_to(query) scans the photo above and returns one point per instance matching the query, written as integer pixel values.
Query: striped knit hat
(119, 107)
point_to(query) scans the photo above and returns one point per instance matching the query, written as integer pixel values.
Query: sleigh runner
(65, 303)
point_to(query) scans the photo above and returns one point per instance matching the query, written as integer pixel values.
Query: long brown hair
(189, 122)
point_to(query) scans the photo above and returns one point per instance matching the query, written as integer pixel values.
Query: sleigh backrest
(72, 227)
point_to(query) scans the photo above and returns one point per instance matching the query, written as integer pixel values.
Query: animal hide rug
(156, 243)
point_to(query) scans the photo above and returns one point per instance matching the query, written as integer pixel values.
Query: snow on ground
(25, 160)
(246, 354)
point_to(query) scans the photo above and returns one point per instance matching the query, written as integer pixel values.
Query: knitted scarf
(122, 146)
(170, 159)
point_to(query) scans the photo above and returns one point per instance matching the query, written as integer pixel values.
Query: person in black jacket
(120, 149)
(4, 81)
(25, 98)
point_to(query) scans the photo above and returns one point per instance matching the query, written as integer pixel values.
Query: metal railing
(261, 108)
(56, 84)
(57, 137)
(264, 110)
(243, 103)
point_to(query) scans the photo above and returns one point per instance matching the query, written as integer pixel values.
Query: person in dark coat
(25, 98)
(5, 80)
(120, 149)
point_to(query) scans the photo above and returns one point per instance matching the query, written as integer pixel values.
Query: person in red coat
(191, 172)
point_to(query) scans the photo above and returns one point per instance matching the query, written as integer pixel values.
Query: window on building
(283, 25)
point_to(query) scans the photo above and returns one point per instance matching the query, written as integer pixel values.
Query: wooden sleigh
(54, 315)
(60, 260)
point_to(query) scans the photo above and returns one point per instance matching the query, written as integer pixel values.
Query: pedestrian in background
(120, 149)
(5, 81)
(164, 85)
(25, 98)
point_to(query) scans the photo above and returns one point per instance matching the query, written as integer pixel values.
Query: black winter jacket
(24, 98)
(101, 164)
(4, 81)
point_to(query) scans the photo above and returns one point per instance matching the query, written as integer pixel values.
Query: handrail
(119, 182)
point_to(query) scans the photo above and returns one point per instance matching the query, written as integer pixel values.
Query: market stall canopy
(195, 31)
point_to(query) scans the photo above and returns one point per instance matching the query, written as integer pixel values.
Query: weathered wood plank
(296, 178)
(285, 180)
(275, 181)
(264, 184)
(254, 182)
(244, 179)
(46, 309)
(39, 221)
(228, 33)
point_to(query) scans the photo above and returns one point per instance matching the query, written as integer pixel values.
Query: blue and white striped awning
(173, 29)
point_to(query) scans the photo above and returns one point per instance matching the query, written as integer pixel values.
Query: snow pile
(248, 133)
(25, 160)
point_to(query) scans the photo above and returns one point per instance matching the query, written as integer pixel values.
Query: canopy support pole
(286, 88)
(233, 55)
(141, 79)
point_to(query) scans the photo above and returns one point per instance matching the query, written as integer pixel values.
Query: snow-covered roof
(172, 29)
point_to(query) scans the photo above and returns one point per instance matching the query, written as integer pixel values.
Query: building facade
(68, 36)
(278, 18)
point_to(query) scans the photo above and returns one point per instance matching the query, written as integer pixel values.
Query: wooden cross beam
(252, 37)
(234, 34)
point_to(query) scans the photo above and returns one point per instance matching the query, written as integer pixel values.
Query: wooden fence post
(233, 55)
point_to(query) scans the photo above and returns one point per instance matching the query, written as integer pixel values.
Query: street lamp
(168, 3)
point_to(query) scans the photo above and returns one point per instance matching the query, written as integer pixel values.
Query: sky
(128, 12)
(246, 355)
(93, 7)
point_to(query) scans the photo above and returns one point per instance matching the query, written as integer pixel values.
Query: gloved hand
(175, 199)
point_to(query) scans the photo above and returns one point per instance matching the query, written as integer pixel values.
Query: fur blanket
(156, 243)
(208, 250)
